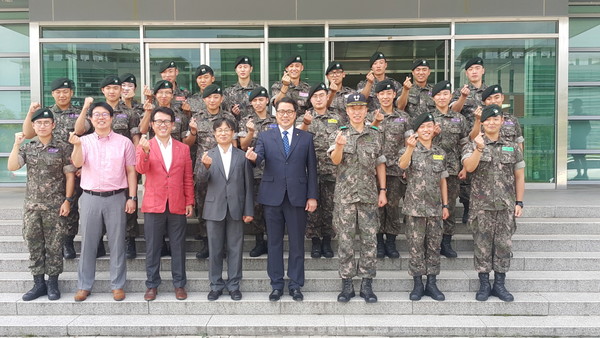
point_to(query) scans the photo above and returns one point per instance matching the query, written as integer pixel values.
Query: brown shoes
(82, 295)
(150, 294)
(118, 294)
(180, 293)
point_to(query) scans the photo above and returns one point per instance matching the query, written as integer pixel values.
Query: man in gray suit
(229, 201)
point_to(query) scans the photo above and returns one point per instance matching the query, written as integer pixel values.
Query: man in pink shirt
(109, 183)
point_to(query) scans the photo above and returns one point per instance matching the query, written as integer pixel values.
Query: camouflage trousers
(465, 190)
(257, 226)
(390, 216)
(320, 222)
(492, 235)
(200, 195)
(346, 219)
(44, 233)
(424, 236)
(453, 184)
(72, 221)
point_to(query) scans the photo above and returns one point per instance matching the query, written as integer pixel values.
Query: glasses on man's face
(42, 123)
(223, 131)
(99, 115)
(336, 72)
(163, 122)
(288, 112)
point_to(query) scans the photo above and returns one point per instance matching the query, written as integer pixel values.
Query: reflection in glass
(312, 58)
(389, 30)
(215, 32)
(19, 176)
(7, 136)
(15, 38)
(91, 32)
(186, 59)
(533, 27)
(583, 32)
(584, 66)
(296, 32)
(15, 72)
(589, 98)
(14, 104)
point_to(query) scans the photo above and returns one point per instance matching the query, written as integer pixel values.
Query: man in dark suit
(229, 201)
(288, 189)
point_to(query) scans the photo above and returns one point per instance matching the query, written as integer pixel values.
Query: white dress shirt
(226, 158)
(166, 151)
(289, 135)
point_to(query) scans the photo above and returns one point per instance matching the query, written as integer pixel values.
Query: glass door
(221, 58)
(187, 56)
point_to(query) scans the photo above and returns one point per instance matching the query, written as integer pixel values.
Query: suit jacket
(175, 185)
(235, 193)
(295, 173)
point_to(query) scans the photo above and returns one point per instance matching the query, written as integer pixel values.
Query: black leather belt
(104, 193)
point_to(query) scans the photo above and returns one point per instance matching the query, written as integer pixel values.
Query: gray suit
(227, 201)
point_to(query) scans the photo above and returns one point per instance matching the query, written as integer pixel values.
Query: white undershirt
(226, 157)
(167, 152)
(289, 134)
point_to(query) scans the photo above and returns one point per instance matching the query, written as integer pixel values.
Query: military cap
(62, 82)
(128, 77)
(442, 85)
(260, 91)
(384, 85)
(291, 60)
(419, 120)
(204, 69)
(162, 84)
(376, 56)
(474, 61)
(43, 113)
(166, 65)
(491, 90)
(356, 99)
(318, 87)
(333, 66)
(212, 89)
(420, 63)
(243, 59)
(110, 80)
(103, 105)
(489, 111)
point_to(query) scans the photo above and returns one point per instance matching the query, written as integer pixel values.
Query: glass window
(19, 176)
(583, 32)
(584, 66)
(583, 9)
(526, 69)
(535, 27)
(14, 104)
(7, 136)
(297, 32)
(186, 59)
(15, 38)
(222, 60)
(14, 15)
(15, 71)
(14, 4)
(584, 101)
(93, 32)
(213, 32)
(312, 58)
(583, 167)
(389, 30)
(584, 134)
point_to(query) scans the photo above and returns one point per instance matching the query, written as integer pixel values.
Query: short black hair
(219, 122)
(286, 99)
(164, 110)
(103, 105)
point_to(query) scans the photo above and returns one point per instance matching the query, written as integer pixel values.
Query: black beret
(161, 84)
(211, 89)
(166, 65)
(243, 59)
(442, 85)
(420, 63)
(110, 80)
(489, 111)
(291, 60)
(356, 99)
(333, 66)
(62, 82)
(103, 105)
(316, 88)
(128, 77)
(204, 69)
(260, 91)
(376, 56)
(419, 120)
(474, 61)
(384, 85)
(491, 90)
(43, 113)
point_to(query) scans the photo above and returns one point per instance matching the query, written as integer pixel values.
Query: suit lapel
(217, 156)
(156, 147)
(234, 160)
(279, 140)
(295, 140)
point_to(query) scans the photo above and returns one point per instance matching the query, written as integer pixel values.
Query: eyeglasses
(163, 122)
(42, 123)
(336, 72)
(98, 115)
(223, 131)
(288, 112)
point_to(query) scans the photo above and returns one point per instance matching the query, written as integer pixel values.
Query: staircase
(555, 278)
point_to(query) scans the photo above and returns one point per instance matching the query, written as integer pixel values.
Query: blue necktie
(286, 143)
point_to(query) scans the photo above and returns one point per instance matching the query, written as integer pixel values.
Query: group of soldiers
(392, 157)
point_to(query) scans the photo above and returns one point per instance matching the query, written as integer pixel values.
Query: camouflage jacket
(205, 139)
(196, 103)
(126, 121)
(181, 126)
(297, 93)
(373, 101)
(65, 122)
(419, 100)
(394, 128)
(511, 129)
(471, 103)
(260, 125)
(322, 127)
(454, 136)
(338, 104)
(237, 94)
(179, 95)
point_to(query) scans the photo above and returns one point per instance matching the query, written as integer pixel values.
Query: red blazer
(175, 186)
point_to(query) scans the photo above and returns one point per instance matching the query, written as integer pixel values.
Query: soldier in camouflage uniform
(250, 127)
(50, 189)
(511, 129)
(168, 72)
(337, 91)
(236, 97)
(498, 187)
(425, 205)
(128, 87)
(415, 98)
(394, 124)
(358, 154)
(163, 92)
(378, 64)
(201, 135)
(291, 84)
(205, 76)
(322, 123)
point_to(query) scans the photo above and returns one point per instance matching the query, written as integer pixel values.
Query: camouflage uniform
(373, 100)
(297, 93)
(493, 195)
(322, 127)
(196, 103)
(338, 104)
(454, 135)
(511, 129)
(423, 209)
(355, 200)
(237, 94)
(180, 127)
(44, 230)
(179, 95)
(419, 100)
(257, 225)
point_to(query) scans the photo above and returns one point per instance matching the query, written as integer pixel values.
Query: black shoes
(380, 246)
(499, 290)
(39, 289)
(418, 290)
(390, 246)
(203, 253)
(326, 250)
(347, 291)
(485, 289)
(296, 295)
(465, 216)
(235, 295)
(69, 248)
(446, 248)
(366, 290)
(261, 246)
(214, 295)
(131, 252)
(432, 290)
(315, 251)
(52, 288)
(275, 295)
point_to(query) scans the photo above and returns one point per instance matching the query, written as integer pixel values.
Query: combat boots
(326, 247)
(465, 216)
(432, 290)
(390, 246)
(69, 248)
(39, 289)
(315, 252)
(52, 287)
(446, 248)
(485, 288)
(499, 290)
(418, 289)
(347, 291)
(380, 246)
(203, 253)
(101, 249)
(261, 246)
(131, 252)
(366, 290)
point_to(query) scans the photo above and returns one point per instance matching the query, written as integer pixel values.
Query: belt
(104, 193)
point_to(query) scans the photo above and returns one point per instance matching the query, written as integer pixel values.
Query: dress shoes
(296, 295)
(118, 294)
(214, 294)
(236, 294)
(275, 295)
(180, 293)
(81, 295)
(150, 294)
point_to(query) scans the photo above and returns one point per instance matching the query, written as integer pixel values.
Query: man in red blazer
(168, 199)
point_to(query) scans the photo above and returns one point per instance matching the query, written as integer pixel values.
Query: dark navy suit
(287, 182)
